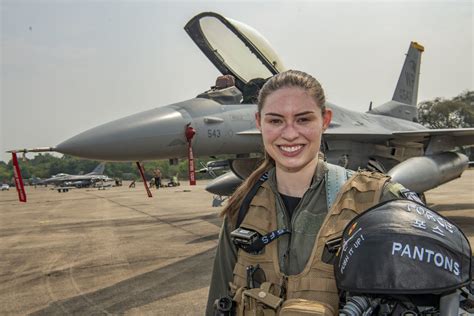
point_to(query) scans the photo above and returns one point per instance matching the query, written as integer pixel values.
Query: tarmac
(116, 251)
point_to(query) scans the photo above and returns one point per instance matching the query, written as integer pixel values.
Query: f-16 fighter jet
(222, 120)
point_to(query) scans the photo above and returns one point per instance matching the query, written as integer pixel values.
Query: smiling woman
(291, 197)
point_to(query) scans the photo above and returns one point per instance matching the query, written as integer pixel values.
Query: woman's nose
(289, 132)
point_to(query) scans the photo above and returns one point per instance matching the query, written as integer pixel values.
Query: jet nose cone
(153, 134)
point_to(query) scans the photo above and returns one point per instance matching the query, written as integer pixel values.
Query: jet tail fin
(407, 86)
(405, 96)
(99, 169)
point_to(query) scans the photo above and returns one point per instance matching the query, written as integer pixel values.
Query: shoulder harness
(335, 178)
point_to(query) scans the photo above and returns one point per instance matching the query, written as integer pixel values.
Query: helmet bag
(402, 247)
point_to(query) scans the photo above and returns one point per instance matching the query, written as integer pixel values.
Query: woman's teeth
(290, 149)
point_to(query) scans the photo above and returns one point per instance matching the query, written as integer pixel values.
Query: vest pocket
(259, 301)
(299, 307)
(245, 260)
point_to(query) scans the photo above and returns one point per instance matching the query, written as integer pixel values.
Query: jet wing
(437, 140)
(457, 132)
(234, 47)
(357, 134)
(441, 139)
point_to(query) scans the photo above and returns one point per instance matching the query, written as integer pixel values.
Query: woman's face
(291, 124)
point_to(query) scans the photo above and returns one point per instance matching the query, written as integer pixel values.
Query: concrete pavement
(116, 251)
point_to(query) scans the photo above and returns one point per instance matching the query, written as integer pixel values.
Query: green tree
(5, 174)
(453, 113)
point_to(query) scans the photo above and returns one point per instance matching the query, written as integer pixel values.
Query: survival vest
(314, 289)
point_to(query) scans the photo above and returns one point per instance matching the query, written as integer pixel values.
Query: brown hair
(289, 78)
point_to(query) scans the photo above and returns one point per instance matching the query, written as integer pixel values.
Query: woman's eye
(303, 120)
(275, 121)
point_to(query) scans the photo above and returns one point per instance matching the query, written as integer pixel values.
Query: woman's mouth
(290, 151)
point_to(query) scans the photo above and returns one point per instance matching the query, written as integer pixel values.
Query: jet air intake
(421, 174)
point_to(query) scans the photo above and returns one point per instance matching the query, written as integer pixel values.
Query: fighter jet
(78, 181)
(214, 165)
(221, 121)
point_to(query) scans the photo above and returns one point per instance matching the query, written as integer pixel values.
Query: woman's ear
(257, 121)
(327, 116)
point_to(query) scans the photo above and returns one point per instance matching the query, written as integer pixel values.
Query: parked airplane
(386, 138)
(78, 181)
(215, 165)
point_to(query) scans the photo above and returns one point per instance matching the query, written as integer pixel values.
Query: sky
(70, 65)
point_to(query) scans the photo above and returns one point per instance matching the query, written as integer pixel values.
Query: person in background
(157, 177)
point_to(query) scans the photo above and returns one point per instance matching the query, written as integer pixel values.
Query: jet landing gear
(217, 200)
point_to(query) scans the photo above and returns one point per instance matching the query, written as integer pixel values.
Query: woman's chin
(293, 165)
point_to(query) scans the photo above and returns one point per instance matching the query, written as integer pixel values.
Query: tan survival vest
(314, 289)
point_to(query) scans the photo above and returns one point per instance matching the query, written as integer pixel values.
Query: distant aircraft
(386, 138)
(78, 181)
(214, 165)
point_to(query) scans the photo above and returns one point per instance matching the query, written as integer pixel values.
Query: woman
(291, 118)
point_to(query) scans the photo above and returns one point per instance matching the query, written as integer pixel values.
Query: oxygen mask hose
(223, 306)
(355, 306)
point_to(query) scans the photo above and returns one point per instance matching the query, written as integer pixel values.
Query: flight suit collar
(318, 176)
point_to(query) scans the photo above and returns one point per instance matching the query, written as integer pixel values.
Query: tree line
(456, 112)
(46, 165)
(448, 113)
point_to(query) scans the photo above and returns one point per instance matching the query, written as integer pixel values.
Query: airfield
(116, 251)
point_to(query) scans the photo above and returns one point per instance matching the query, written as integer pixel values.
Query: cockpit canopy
(234, 48)
(60, 175)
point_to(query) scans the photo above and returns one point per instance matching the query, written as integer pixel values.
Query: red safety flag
(18, 179)
(142, 173)
(189, 133)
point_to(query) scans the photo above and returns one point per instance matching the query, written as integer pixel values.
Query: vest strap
(264, 240)
(248, 198)
(335, 179)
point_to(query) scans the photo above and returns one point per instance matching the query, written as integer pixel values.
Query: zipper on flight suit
(296, 212)
(286, 255)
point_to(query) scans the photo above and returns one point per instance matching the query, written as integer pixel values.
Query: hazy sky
(67, 66)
